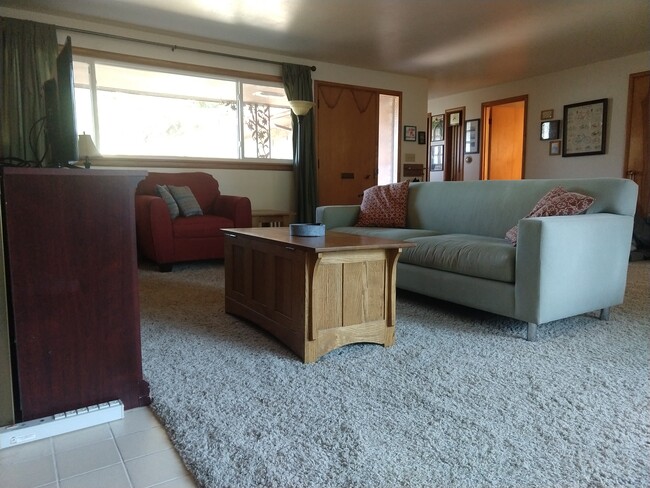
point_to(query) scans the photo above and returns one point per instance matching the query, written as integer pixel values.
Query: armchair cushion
(163, 192)
(186, 200)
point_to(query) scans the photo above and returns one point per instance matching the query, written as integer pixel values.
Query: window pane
(84, 112)
(144, 111)
(161, 83)
(142, 125)
(267, 122)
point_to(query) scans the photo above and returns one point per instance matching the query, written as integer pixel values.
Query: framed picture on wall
(549, 130)
(437, 157)
(410, 133)
(437, 128)
(554, 148)
(585, 128)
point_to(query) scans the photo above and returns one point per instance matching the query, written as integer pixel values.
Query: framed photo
(554, 148)
(422, 137)
(549, 130)
(437, 157)
(585, 128)
(471, 136)
(410, 133)
(437, 128)
(546, 114)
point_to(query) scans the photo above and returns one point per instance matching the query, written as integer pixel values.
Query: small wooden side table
(271, 218)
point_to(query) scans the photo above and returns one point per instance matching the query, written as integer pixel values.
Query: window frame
(85, 55)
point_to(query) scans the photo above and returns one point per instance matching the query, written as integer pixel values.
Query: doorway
(637, 153)
(357, 141)
(504, 139)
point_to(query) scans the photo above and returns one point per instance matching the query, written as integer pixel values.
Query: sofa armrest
(236, 208)
(571, 265)
(154, 228)
(337, 215)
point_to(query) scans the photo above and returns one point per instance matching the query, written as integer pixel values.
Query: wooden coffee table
(314, 294)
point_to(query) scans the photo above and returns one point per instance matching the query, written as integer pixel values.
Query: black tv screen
(60, 110)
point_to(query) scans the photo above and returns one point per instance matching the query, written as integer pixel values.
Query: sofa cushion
(163, 192)
(186, 201)
(203, 226)
(558, 201)
(384, 206)
(480, 256)
(398, 234)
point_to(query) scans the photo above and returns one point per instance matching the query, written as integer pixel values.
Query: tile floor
(134, 452)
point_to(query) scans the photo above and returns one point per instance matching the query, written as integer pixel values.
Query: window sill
(188, 163)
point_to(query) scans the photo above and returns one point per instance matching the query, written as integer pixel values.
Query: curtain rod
(173, 47)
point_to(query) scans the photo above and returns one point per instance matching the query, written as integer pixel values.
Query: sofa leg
(165, 268)
(531, 333)
(604, 313)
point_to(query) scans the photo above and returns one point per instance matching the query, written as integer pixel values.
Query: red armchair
(165, 241)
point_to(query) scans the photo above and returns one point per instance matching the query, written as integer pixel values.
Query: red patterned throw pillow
(558, 201)
(384, 206)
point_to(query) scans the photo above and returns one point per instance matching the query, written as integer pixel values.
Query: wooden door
(637, 147)
(502, 153)
(347, 135)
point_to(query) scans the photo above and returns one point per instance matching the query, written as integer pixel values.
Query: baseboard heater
(61, 423)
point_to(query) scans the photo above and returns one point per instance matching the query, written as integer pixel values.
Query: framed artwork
(422, 137)
(410, 133)
(437, 128)
(585, 128)
(554, 148)
(549, 130)
(546, 114)
(471, 136)
(437, 157)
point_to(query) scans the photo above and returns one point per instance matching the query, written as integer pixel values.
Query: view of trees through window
(140, 111)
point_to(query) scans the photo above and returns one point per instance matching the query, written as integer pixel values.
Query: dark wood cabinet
(71, 280)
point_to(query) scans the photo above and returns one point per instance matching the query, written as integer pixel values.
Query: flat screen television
(60, 111)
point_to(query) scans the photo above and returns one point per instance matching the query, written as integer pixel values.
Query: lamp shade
(301, 107)
(87, 147)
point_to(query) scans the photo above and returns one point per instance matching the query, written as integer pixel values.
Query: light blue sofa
(562, 266)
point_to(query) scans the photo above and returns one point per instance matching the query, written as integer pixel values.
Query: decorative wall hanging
(585, 128)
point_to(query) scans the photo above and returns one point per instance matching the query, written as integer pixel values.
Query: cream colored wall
(266, 189)
(607, 79)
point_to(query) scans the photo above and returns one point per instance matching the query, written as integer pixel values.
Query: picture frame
(554, 148)
(549, 129)
(437, 157)
(585, 128)
(438, 128)
(410, 133)
(546, 114)
(472, 136)
(422, 137)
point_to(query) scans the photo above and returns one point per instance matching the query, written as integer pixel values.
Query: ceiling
(458, 45)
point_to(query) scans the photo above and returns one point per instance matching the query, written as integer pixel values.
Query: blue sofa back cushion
(491, 208)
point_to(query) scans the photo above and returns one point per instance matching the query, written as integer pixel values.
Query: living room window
(143, 111)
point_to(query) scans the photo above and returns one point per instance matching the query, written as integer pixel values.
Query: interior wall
(266, 189)
(607, 79)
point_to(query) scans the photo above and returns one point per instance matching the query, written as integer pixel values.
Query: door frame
(487, 127)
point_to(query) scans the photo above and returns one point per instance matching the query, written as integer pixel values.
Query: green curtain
(298, 86)
(29, 51)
